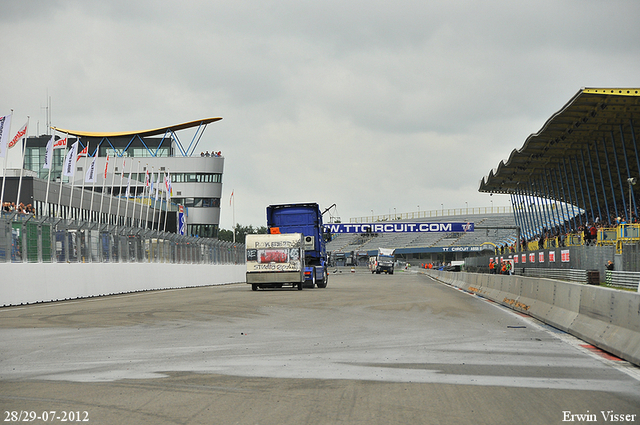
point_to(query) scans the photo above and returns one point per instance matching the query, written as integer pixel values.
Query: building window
(203, 230)
(197, 202)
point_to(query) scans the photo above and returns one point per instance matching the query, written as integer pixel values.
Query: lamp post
(632, 181)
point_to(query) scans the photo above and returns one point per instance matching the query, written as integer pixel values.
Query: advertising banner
(282, 252)
(397, 227)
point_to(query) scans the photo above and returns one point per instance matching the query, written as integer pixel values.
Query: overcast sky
(372, 105)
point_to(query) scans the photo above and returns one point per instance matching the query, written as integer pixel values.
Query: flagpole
(73, 174)
(119, 189)
(24, 150)
(4, 153)
(166, 202)
(146, 218)
(113, 179)
(82, 176)
(233, 216)
(155, 201)
(93, 183)
(144, 189)
(135, 193)
(160, 212)
(61, 175)
(104, 185)
(127, 195)
(46, 196)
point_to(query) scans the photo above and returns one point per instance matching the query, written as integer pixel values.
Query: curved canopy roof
(584, 153)
(143, 133)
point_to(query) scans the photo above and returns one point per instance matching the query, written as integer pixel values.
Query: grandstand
(500, 234)
(578, 173)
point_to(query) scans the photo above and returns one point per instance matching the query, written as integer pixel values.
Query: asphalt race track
(368, 349)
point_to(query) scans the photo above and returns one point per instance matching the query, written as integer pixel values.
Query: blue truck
(293, 253)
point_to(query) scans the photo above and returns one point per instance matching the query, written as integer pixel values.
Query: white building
(127, 158)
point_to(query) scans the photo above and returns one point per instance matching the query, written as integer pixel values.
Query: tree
(241, 232)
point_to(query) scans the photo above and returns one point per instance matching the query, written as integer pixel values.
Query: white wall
(25, 283)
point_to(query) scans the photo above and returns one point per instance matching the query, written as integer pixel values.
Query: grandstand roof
(142, 133)
(589, 147)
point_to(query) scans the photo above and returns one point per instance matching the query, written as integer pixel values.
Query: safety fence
(625, 279)
(27, 239)
(623, 234)
(570, 275)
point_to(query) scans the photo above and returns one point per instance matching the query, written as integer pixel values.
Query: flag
(151, 188)
(231, 198)
(90, 177)
(19, 135)
(106, 166)
(70, 161)
(169, 187)
(5, 123)
(60, 144)
(158, 186)
(126, 194)
(146, 178)
(48, 157)
(83, 152)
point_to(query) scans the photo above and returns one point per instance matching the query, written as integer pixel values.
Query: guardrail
(570, 275)
(623, 279)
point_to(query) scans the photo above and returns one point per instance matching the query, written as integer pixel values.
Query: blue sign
(397, 227)
(182, 224)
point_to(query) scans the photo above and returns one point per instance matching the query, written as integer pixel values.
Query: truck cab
(382, 262)
(304, 218)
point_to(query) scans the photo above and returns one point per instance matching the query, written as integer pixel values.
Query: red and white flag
(146, 178)
(60, 144)
(169, 187)
(83, 152)
(19, 135)
(106, 166)
(231, 198)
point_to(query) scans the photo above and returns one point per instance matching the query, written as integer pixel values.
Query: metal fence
(624, 279)
(24, 238)
(570, 275)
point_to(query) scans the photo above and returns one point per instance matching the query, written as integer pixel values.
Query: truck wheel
(323, 283)
(299, 286)
(254, 287)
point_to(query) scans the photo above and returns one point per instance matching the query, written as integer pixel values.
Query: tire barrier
(606, 318)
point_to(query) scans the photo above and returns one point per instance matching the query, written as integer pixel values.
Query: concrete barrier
(25, 283)
(606, 318)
